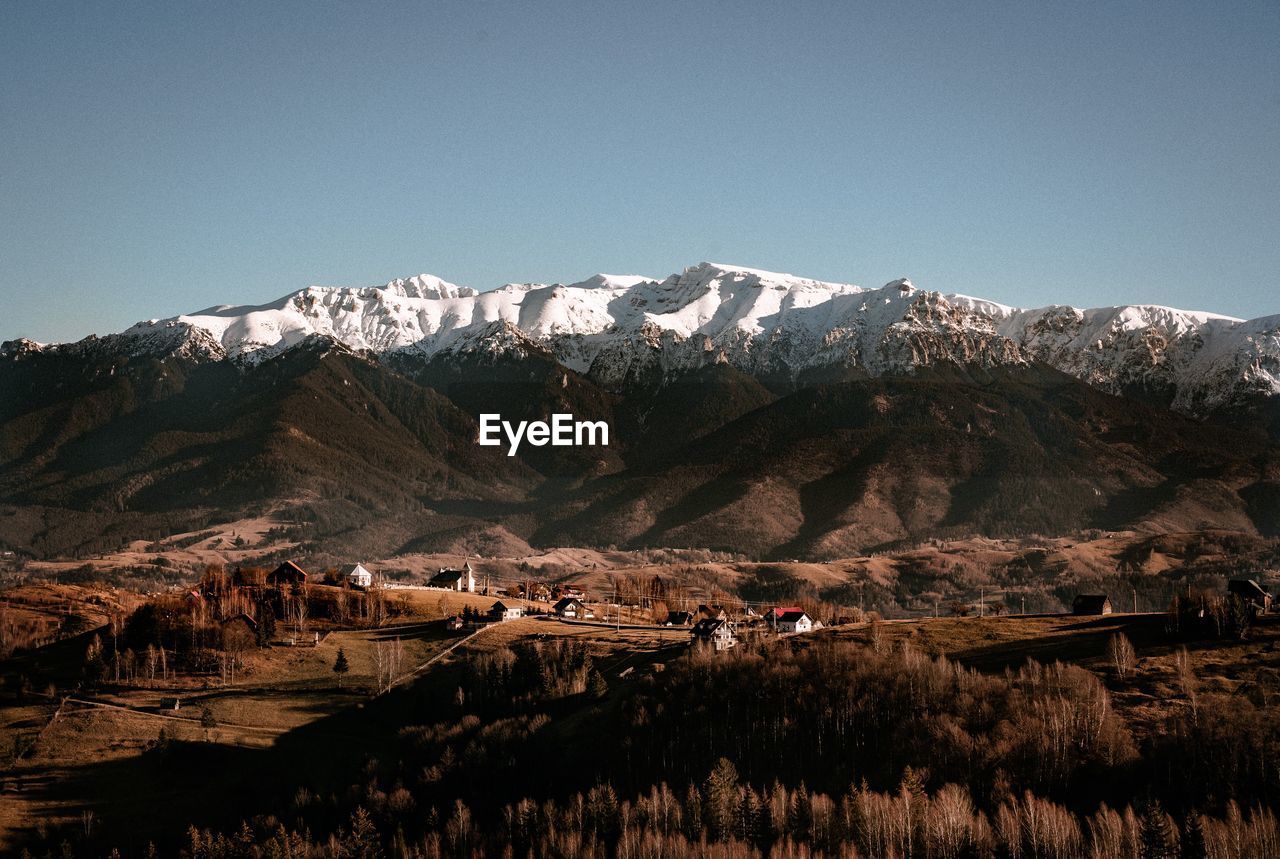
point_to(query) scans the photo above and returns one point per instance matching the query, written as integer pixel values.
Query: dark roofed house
(796, 620)
(1091, 604)
(502, 611)
(714, 632)
(679, 618)
(572, 607)
(776, 614)
(287, 573)
(1251, 592)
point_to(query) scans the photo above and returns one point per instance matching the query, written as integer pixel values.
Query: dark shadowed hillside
(837, 468)
(140, 437)
(97, 447)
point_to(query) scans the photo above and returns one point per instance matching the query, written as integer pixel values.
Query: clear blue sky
(159, 158)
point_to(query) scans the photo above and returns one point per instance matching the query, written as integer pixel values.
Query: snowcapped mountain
(614, 328)
(750, 411)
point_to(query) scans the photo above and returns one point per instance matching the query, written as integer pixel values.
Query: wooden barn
(287, 573)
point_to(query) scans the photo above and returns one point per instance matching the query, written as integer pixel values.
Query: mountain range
(755, 412)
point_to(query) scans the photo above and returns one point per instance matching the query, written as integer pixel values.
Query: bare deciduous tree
(1122, 654)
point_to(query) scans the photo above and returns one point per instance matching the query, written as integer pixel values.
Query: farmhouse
(356, 576)
(1091, 604)
(287, 573)
(1251, 593)
(572, 607)
(796, 620)
(501, 611)
(774, 614)
(463, 580)
(714, 632)
(454, 623)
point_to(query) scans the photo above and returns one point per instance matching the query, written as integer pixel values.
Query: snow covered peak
(705, 272)
(428, 286)
(615, 327)
(611, 281)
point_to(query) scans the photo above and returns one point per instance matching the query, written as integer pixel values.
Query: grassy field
(71, 765)
(1150, 691)
(75, 757)
(996, 643)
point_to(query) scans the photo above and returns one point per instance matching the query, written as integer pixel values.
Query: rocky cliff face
(622, 329)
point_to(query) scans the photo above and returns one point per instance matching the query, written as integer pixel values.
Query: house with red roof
(791, 618)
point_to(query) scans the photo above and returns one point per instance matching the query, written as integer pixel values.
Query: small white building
(501, 611)
(794, 621)
(356, 576)
(463, 580)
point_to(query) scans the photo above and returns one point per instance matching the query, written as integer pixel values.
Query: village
(250, 605)
(289, 605)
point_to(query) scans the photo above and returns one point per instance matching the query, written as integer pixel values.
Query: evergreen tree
(340, 666)
(266, 620)
(207, 721)
(362, 841)
(96, 669)
(1193, 843)
(1159, 837)
(720, 793)
(692, 813)
(748, 826)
